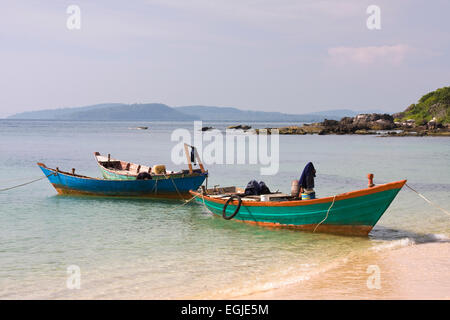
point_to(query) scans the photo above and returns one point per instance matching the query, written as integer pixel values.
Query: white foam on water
(405, 242)
(440, 237)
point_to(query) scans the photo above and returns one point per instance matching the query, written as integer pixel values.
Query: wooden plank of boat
(115, 169)
(351, 213)
(67, 183)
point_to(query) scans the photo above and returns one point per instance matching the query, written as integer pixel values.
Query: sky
(290, 56)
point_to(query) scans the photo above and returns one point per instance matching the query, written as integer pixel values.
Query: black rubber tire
(235, 211)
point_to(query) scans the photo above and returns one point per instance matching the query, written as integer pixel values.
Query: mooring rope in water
(430, 202)
(26, 183)
(17, 179)
(178, 206)
(187, 201)
(204, 204)
(326, 217)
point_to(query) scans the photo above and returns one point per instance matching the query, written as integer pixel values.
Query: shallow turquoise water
(129, 248)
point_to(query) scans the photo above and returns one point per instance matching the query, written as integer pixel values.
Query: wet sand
(420, 271)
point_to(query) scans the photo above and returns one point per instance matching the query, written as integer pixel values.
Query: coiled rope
(26, 183)
(430, 202)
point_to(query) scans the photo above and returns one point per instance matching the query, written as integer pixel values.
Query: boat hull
(353, 213)
(70, 184)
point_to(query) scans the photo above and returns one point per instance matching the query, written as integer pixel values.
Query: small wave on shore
(283, 278)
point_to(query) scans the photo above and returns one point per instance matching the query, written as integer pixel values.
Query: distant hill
(435, 104)
(233, 114)
(110, 111)
(161, 112)
(229, 113)
(62, 113)
(337, 114)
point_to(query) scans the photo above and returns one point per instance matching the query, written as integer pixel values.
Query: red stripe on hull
(67, 191)
(350, 230)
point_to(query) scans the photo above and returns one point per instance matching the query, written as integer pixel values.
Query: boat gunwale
(40, 164)
(292, 203)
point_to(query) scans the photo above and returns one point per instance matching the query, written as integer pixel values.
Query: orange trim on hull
(352, 230)
(295, 203)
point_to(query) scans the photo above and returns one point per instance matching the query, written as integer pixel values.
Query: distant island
(429, 116)
(109, 112)
(162, 112)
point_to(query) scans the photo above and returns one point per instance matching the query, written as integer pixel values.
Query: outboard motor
(255, 189)
(252, 188)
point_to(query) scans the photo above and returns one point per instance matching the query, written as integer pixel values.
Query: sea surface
(155, 249)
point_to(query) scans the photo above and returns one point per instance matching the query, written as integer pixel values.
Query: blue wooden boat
(169, 186)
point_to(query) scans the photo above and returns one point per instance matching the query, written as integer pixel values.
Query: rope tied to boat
(326, 216)
(27, 183)
(429, 201)
(169, 210)
(181, 197)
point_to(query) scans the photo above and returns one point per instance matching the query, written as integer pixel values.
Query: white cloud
(394, 54)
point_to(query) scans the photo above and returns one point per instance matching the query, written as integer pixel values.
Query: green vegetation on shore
(435, 104)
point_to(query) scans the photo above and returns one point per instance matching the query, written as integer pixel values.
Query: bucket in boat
(294, 188)
(159, 169)
(308, 196)
(264, 197)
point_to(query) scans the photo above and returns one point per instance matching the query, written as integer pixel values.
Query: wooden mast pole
(186, 151)
(199, 160)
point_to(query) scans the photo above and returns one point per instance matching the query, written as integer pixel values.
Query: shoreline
(417, 271)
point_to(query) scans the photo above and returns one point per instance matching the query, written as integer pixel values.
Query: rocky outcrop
(305, 129)
(373, 123)
(361, 124)
(240, 126)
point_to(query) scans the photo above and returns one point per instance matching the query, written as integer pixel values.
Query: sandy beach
(419, 271)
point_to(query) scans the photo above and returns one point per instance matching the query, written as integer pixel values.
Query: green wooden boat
(351, 213)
